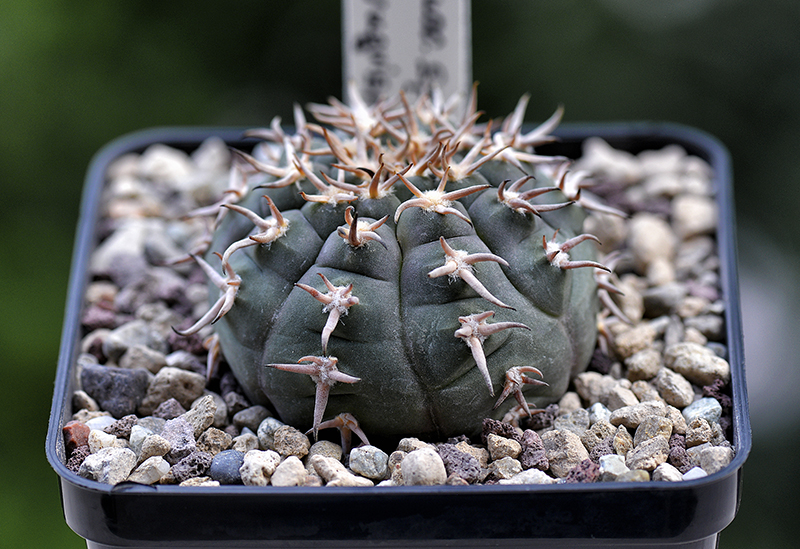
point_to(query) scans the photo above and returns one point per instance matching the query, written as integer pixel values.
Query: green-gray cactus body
(404, 339)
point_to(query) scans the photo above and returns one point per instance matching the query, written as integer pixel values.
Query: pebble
(183, 386)
(459, 463)
(667, 473)
(250, 417)
(324, 448)
(169, 409)
(423, 467)
(500, 447)
(137, 437)
(335, 474)
(409, 444)
(698, 364)
(675, 389)
(199, 481)
(122, 427)
(612, 466)
(620, 396)
(504, 468)
(118, 391)
(245, 442)
(598, 412)
(650, 238)
(266, 432)
(714, 458)
(599, 432)
(201, 414)
(699, 431)
(194, 465)
(707, 408)
(98, 440)
(622, 441)
(288, 441)
(76, 434)
(136, 332)
(576, 421)
(653, 426)
(585, 472)
(370, 462)
(633, 340)
(153, 445)
(180, 435)
(644, 364)
(529, 476)
(225, 466)
(139, 356)
(214, 441)
(694, 473)
(109, 465)
(635, 475)
(649, 454)
(258, 467)
(632, 416)
(533, 455)
(150, 471)
(564, 451)
(693, 215)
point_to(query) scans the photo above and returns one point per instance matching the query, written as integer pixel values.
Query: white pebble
(694, 473)
(258, 467)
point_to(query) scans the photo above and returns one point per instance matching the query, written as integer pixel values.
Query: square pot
(681, 514)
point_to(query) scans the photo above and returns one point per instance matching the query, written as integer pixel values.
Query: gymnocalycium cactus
(401, 264)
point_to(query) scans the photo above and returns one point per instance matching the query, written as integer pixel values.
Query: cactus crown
(402, 264)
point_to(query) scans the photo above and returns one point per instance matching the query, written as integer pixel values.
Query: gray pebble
(663, 299)
(715, 458)
(707, 408)
(369, 461)
(194, 465)
(576, 421)
(169, 409)
(180, 435)
(250, 417)
(643, 365)
(266, 432)
(183, 386)
(139, 356)
(136, 332)
(225, 467)
(459, 463)
(118, 391)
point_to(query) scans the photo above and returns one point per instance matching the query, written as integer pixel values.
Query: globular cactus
(402, 265)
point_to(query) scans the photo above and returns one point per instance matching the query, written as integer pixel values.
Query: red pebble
(76, 434)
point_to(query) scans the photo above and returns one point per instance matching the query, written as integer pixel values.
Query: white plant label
(409, 45)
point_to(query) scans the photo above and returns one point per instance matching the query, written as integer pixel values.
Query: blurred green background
(75, 75)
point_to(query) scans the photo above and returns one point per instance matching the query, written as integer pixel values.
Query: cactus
(403, 265)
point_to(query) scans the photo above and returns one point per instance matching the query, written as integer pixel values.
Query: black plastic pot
(655, 514)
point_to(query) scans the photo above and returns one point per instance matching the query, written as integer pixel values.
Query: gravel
(654, 404)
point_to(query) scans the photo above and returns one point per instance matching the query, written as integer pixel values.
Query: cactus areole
(402, 264)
